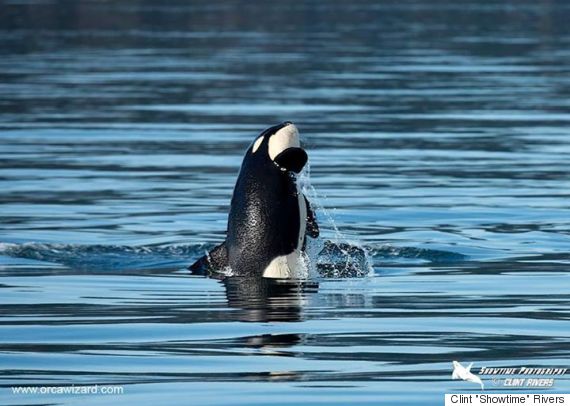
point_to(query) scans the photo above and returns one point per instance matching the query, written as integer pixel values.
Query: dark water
(438, 135)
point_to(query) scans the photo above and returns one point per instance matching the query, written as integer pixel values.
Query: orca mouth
(292, 159)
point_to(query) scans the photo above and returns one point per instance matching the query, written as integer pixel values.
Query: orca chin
(292, 159)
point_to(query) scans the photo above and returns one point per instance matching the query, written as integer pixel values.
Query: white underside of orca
(287, 137)
(289, 266)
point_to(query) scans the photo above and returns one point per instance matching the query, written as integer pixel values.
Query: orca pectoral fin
(312, 229)
(215, 260)
(292, 159)
(200, 267)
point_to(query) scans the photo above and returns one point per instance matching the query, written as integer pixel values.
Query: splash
(341, 257)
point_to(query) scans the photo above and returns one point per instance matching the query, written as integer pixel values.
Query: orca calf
(269, 217)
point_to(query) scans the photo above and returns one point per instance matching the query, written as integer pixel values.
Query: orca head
(281, 145)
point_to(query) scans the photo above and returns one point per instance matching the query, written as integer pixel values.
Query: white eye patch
(287, 137)
(257, 143)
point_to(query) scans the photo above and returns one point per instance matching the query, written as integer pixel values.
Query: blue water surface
(438, 135)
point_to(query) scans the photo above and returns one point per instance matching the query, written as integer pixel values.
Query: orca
(269, 216)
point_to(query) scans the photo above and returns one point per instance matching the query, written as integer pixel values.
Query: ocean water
(438, 137)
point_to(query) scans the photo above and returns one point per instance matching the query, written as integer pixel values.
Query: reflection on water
(263, 300)
(438, 140)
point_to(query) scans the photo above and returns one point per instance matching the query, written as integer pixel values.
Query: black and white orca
(269, 216)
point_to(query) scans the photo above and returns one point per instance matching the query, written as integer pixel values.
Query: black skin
(263, 222)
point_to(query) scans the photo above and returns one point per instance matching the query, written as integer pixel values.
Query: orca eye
(257, 143)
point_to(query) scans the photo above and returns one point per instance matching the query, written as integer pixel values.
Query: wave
(106, 257)
(337, 260)
(391, 253)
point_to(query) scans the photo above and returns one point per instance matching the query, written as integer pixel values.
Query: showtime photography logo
(508, 377)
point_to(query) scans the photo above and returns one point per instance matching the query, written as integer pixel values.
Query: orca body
(269, 217)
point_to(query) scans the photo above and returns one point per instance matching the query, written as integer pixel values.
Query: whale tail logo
(464, 373)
